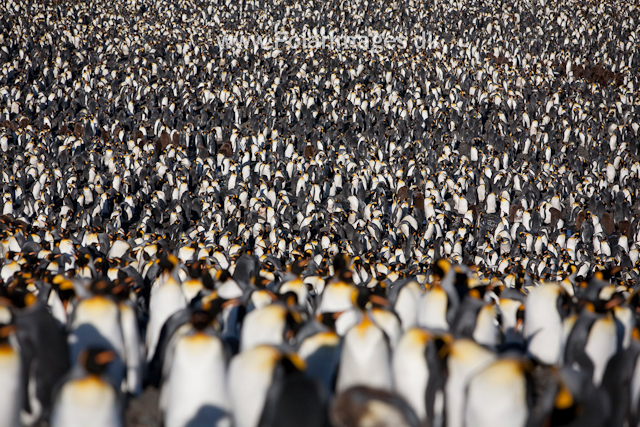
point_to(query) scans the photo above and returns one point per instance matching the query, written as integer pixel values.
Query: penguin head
(65, 288)
(341, 265)
(96, 360)
(201, 319)
(101, 287)
(441, 267)
(19, 294)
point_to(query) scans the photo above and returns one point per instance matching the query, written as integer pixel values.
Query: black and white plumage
(476, 190)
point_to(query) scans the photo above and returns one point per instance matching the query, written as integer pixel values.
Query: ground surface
(142, 411)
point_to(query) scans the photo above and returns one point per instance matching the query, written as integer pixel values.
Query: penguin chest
(389, 323)
(365, 358)
(466, 358)
(188, 396)
(433, 310)
(410, 370)
(486, 330)
(99, 315)
(263, 326)
(191, 288)
(133, 355)
(164, 301)
(84, 402)
(250, 375)
(601, 346)
(10, 391)
(509, 309)
(543, 325)
(497, 397)
(407, 304)
(336, 297)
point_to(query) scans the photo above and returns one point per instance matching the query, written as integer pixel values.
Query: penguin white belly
(263, 326)
(191, 288)
(601, 346)
(486, 331)
(497, 397)
(250, 375)
(410, 371)
(164, 302)
(336, 297)
(432, 313)
(133, 353)
(57, 308)
(466, 358)
(389, 323)
(88, 401)
(229, 290)
(365, 358)
(543, 325)
(102, 314)
(196, 385)
(407, 305)
(348, 320)
(11, 389)
(509, 309)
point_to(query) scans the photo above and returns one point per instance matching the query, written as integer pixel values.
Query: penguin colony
(436, 236)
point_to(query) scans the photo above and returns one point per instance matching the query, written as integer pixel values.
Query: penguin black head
(299, 266)
(167, 263)
(341, 264)
(441, 268)
(18, 294)
(97, 359)
(101, 286)
(200, 319)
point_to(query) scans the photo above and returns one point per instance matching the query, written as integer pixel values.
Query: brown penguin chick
(7, 124)
(78, 130)
(580, 218)
(402, 192)
(418, 200)
(309, 152)
(106, 137)
(624, 227)
(163, 142)
(226, 150)
(139, 135)
(513, 210)
(607, 223)
(556, 214)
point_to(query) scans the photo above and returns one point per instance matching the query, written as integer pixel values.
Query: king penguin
(88, 397)
(194, 389)
(365, 358)
(166, 298)
(500, 395)
(95, 322)
(545, 309)
(250, 376)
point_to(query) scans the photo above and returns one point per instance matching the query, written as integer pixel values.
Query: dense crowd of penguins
(439, 235)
